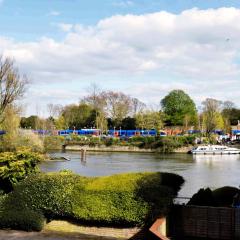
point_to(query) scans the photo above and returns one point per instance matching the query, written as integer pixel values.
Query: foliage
(220, 197)
(15, 166)
(123, 199)
(29, 122)
(232, 114)
(128, 123)
(224, 195)
(12, 84)
(30, 140)
(177, 105)
(79, 116)
(212, 118)
(53, 142)
(149, 120)
(10, 124)
(203, 197)
(22, 219)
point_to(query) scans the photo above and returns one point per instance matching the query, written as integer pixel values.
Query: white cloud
(54, 13)
(201, 46)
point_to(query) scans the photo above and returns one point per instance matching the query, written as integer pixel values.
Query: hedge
(118, 200)
(27, 220)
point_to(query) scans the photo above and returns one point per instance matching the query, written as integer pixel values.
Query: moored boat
(215, 149)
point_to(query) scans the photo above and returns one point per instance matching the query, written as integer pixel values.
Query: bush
(203, 197)
(224, 195)
(123, 199)
(49, 193)
(53, 142)
(15, 166)
(24, 220)
(220, 197)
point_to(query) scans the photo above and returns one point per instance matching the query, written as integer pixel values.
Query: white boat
(215, 149)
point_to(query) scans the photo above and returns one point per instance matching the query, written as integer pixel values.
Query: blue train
(113, 133)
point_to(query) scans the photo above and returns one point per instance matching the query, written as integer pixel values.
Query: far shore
(123, 149)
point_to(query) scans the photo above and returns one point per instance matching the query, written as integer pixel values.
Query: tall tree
(150, 120)
(12, 84)
(79, 116)
(118, 105)
(212, 118)
(179, 108)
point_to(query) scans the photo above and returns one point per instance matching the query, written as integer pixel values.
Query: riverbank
(123, 149)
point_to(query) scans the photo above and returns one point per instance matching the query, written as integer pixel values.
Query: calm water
(198, 171)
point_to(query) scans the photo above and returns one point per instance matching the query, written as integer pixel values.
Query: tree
(179, 108)
(150, 120)
(10, 124)
(230, 113)
(118, 106)
(137, 106)
(79, 116)
(29, 122)
(212, 118)
(12, 84)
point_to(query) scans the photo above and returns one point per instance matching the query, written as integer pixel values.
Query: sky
(144, 48)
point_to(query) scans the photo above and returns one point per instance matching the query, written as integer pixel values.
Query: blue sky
(144, 48)
(30, 20)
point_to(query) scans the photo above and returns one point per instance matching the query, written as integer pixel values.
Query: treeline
(108, 109)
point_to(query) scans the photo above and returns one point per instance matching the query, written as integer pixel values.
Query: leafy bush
(53, 142)
(123, 199)
(15, 166)
(49, 193)
(224, 195)
(220, 197)
(203, 197)
(24, 220)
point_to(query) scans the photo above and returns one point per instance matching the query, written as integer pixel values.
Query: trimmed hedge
(24, 220)
(118, 200)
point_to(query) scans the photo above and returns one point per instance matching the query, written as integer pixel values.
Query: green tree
(79, 116)
(150, 120)
(29, 122)
(11, 125)
(179, 108)
(212, 118)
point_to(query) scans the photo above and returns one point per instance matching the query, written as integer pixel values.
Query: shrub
(224, 195)
(123, 199)
(30, 140)
(203, 197)
(24, 220)
(53, 142)
(15, 166)
(49, 193)
(220, 197)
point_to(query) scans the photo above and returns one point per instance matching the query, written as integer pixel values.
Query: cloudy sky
(144, 48)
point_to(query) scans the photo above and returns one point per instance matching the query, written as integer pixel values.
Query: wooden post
(83, 155)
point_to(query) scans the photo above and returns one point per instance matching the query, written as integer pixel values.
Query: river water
(198, 171)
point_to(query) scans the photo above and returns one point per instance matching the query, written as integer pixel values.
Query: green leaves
(15, 166)
(177, 105)
(119, 200)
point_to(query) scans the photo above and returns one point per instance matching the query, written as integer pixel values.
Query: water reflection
(215, 158)
(198, 170)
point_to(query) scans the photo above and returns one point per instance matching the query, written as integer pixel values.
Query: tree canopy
(179, 107)
(12, 84)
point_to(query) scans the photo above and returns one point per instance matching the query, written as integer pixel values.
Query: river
(198, 171)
